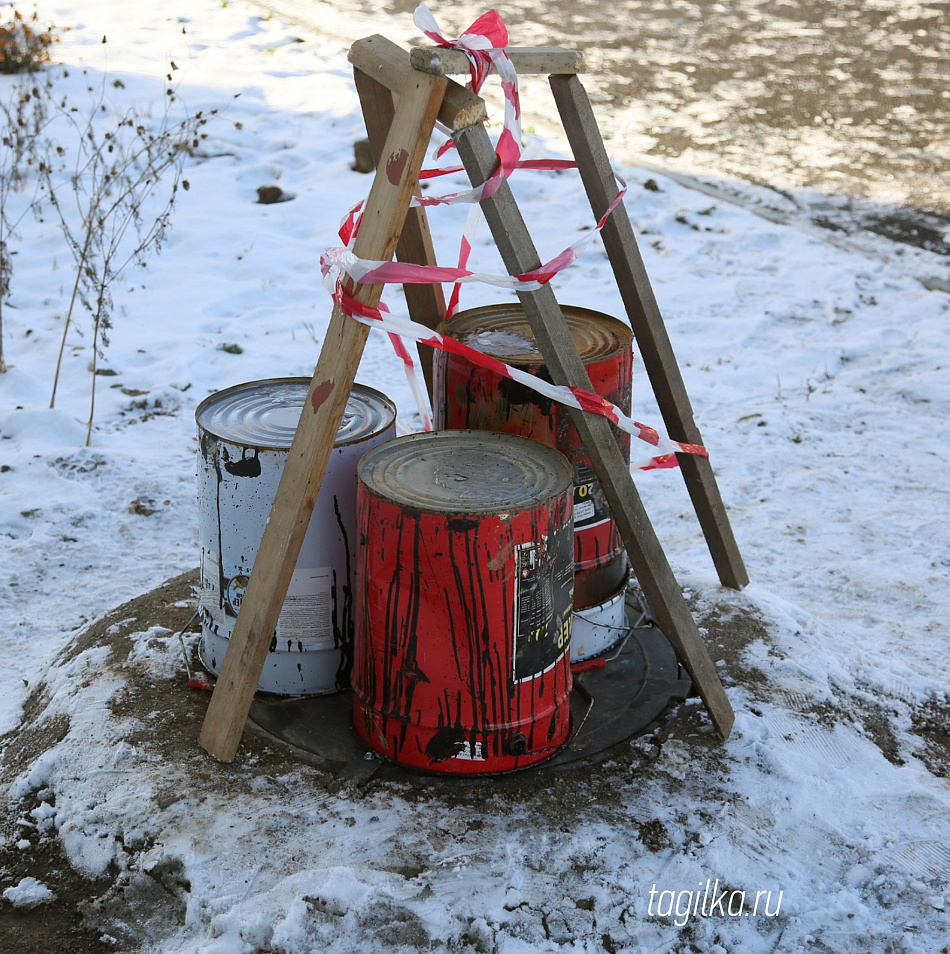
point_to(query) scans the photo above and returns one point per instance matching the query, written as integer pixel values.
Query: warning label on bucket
(234, 594)
(306, 619)
(590, 505)
(544, 590)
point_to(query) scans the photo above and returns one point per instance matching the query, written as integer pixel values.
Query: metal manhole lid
(629, 694)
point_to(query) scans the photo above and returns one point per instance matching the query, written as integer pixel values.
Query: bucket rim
(496, 316)
(557, 482)
(383, 403)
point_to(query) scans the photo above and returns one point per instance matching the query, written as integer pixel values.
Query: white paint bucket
(599, 628)
(245, 433)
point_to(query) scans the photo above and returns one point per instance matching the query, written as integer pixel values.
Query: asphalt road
(843, 107)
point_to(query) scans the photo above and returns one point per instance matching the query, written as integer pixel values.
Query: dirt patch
(730, 632)
(22, 747)
(654, 835)
(154, 898)
(932, 724)
(878, 728)
(121, 910)
(164, 717)
(59, 924)
(82, 915)
(919, 230)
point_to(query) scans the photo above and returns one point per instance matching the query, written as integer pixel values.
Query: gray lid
(266, 413)
(466, 472)
(502, 331)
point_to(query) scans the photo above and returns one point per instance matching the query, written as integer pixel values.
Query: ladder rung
(545, 60)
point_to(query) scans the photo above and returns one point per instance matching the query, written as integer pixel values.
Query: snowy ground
(819, 379)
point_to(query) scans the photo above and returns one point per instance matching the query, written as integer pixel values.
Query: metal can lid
(266, 413)
(503, 332)
(466, 472)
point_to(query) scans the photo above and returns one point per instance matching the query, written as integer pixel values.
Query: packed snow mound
(817, 369)
(676, 835)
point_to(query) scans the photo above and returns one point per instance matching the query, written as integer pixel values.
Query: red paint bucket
(464, 586)
(472, 397)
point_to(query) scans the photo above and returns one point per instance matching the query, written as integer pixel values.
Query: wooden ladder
(402, 96)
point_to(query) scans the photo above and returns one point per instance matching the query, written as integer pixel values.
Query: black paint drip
(344, 624)
(246, 466)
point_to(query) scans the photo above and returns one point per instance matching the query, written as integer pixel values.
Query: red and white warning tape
(368, 272)
(483, 43)
(572, 397)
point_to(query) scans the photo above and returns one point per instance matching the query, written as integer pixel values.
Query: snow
(28, 893)
(819, 378)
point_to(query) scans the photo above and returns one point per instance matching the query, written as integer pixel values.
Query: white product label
(306, 622)
(471, 752)
(584, 511)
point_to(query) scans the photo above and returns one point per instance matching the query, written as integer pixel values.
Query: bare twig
(120, 161)
(23, 116)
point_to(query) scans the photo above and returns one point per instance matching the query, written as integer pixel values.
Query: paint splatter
(246, 466)
(431, 595)
(320, 393)
(396, 165)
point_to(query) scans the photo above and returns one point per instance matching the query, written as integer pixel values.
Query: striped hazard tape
(484, 44)
(572, 397)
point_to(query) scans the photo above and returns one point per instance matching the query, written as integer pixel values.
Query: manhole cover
(609, 705)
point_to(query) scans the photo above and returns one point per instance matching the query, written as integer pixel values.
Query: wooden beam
(319, 424)
(653, 341)
(426, 303)
(526, 59)
(388, 63)
(649, 562)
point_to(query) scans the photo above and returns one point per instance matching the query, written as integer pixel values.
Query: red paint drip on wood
(395, 166)
(320, 393)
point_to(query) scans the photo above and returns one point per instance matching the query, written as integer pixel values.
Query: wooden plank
(654, 574)
(319, 424)
(426, 303)
(388, 63)
(526, 59)
(653, 341)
